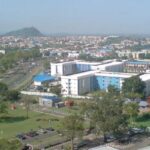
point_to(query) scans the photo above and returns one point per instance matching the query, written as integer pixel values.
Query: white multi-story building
(114, 66)
(72, 67)
(146, 79)
(104, 79)
(78, 84)
(65, 68)
(73, 54)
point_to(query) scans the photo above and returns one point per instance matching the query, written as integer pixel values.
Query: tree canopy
(3, 88)
(133, 85)
(73, 126)
(131, 109)
(106, 113)
(109, 116)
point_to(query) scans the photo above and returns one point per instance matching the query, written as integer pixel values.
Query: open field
(21, 76)
(15, 122)
(143, 120)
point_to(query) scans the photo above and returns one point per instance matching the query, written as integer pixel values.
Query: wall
(103, 82)
(85, 85)
(83, 67)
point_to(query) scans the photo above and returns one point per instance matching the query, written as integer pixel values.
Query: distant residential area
(46, 84)
(74, 75)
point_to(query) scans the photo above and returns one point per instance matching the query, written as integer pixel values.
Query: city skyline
(76, 17)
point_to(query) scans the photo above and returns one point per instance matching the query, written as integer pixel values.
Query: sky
(77, 16)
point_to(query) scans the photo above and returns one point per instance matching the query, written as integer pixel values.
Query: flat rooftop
(65, 62)
(138, 62)
(42, 77)
(103, 148)
(145, 77)
(80, 75)
(111, 64)
(116, 74)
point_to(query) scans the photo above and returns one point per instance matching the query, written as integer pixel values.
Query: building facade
(146, 79)
(65, 68)
(78, 84)
(83, 83)
(136, 66)
(103, 80)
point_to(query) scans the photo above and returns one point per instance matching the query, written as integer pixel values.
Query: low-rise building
(42, 78)
(48, 101)
(136, 66)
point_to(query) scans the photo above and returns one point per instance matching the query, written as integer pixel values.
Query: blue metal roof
(139, 62)
(49, 98)
(42, 77)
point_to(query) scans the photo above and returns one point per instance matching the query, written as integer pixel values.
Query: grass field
(143, 120)
(15, 122)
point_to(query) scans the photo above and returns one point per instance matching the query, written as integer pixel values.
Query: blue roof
(42, 77)
(139, 62)
(49, 98)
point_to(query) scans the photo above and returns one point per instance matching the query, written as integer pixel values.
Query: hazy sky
(76, 16)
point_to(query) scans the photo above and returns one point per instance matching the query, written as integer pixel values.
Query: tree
(131, 110)
(133, 85)
(3, 88)
(113, 90)
(46, 64)
(27, 100)
(87, 110)
(13, 95)
(108, 115)
(56, 89)
(3, 107)
(133, 96)
(73, 127)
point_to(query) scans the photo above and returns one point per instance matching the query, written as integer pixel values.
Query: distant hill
(25, 32)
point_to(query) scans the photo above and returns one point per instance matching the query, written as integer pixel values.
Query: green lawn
(67, 110)
(143, 120)
(15, 122)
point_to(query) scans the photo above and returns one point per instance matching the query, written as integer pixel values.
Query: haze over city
(74, 75)
(76, 16)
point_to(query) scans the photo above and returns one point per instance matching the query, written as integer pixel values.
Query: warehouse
(48, 101)
(42, 78)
